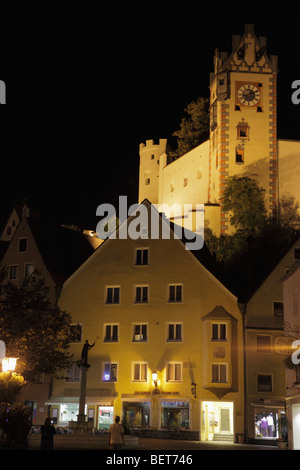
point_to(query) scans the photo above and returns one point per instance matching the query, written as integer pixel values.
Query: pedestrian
(48, 431)
(116, 435)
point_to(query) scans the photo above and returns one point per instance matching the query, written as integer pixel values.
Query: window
(263, 343)
(278, 309)
(175, 293)
(13, 272)
(174, 372)
(174, 332)
(147, 181)
(73, 374)
(264, 382)
(239, 155)
(139, 372)
(22, 245)
(142, 257)
(219, 373)
(140, 333)
(112, 295)
(219, 332)
(297, 253)
(141, 294)
(110, 372)
(111, 333)
(185, 182)
(175, 415)
(29, 268)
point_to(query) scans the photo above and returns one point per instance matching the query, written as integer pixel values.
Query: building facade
(291, 300)
(243, 140)
(170, 349)
(265, 352)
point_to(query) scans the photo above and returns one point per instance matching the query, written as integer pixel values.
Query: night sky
(86, 89)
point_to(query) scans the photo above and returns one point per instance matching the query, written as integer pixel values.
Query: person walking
(48, 431)
(116, 435)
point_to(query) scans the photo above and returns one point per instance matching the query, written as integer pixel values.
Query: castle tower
(149, 169)
(243, 120)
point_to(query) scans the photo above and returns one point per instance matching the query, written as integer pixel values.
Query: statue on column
(84, 354)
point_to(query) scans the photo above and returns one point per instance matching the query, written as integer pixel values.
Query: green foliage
(34, 330)
(14, 422)
(245, 199)
(10, 386)
(194, 128)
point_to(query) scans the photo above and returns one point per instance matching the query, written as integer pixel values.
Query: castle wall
(185, 181)
(289, 168)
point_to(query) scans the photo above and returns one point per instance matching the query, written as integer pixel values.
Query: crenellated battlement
(150, 144)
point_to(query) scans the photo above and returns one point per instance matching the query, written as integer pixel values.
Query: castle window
(171, 188)
(239, 156)
(152, 157)
(243, 130)
(147, 181)
(185, 182)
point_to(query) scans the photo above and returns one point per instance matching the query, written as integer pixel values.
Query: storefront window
(175, 415)
(270, 424)
(68, 412)
(137, 414)
(106, 417)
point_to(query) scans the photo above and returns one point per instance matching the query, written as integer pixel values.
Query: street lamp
(155, 380)
(9, 364)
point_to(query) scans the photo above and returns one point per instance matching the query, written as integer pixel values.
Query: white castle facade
(243, 140)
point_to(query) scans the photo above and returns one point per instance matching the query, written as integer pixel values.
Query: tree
(245, 199)
(33, 329)
(194, 129)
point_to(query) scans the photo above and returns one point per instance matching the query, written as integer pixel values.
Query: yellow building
(242, 141)
(265, 351)
(157, 309)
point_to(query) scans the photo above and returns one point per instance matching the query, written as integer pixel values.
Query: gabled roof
(201, 256)
(218, 312)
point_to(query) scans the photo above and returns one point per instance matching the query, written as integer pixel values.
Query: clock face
(248, 94)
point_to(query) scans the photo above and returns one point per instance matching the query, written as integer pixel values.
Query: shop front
(64, 410)
(217, 421)
(157, 413)
(270, 423)
(175, 415)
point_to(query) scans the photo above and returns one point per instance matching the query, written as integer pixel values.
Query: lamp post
(155, 380)
(9, 364)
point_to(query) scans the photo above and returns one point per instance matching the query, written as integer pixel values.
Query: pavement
(169, 444)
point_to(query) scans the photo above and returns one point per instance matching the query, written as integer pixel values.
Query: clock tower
(243, 119)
